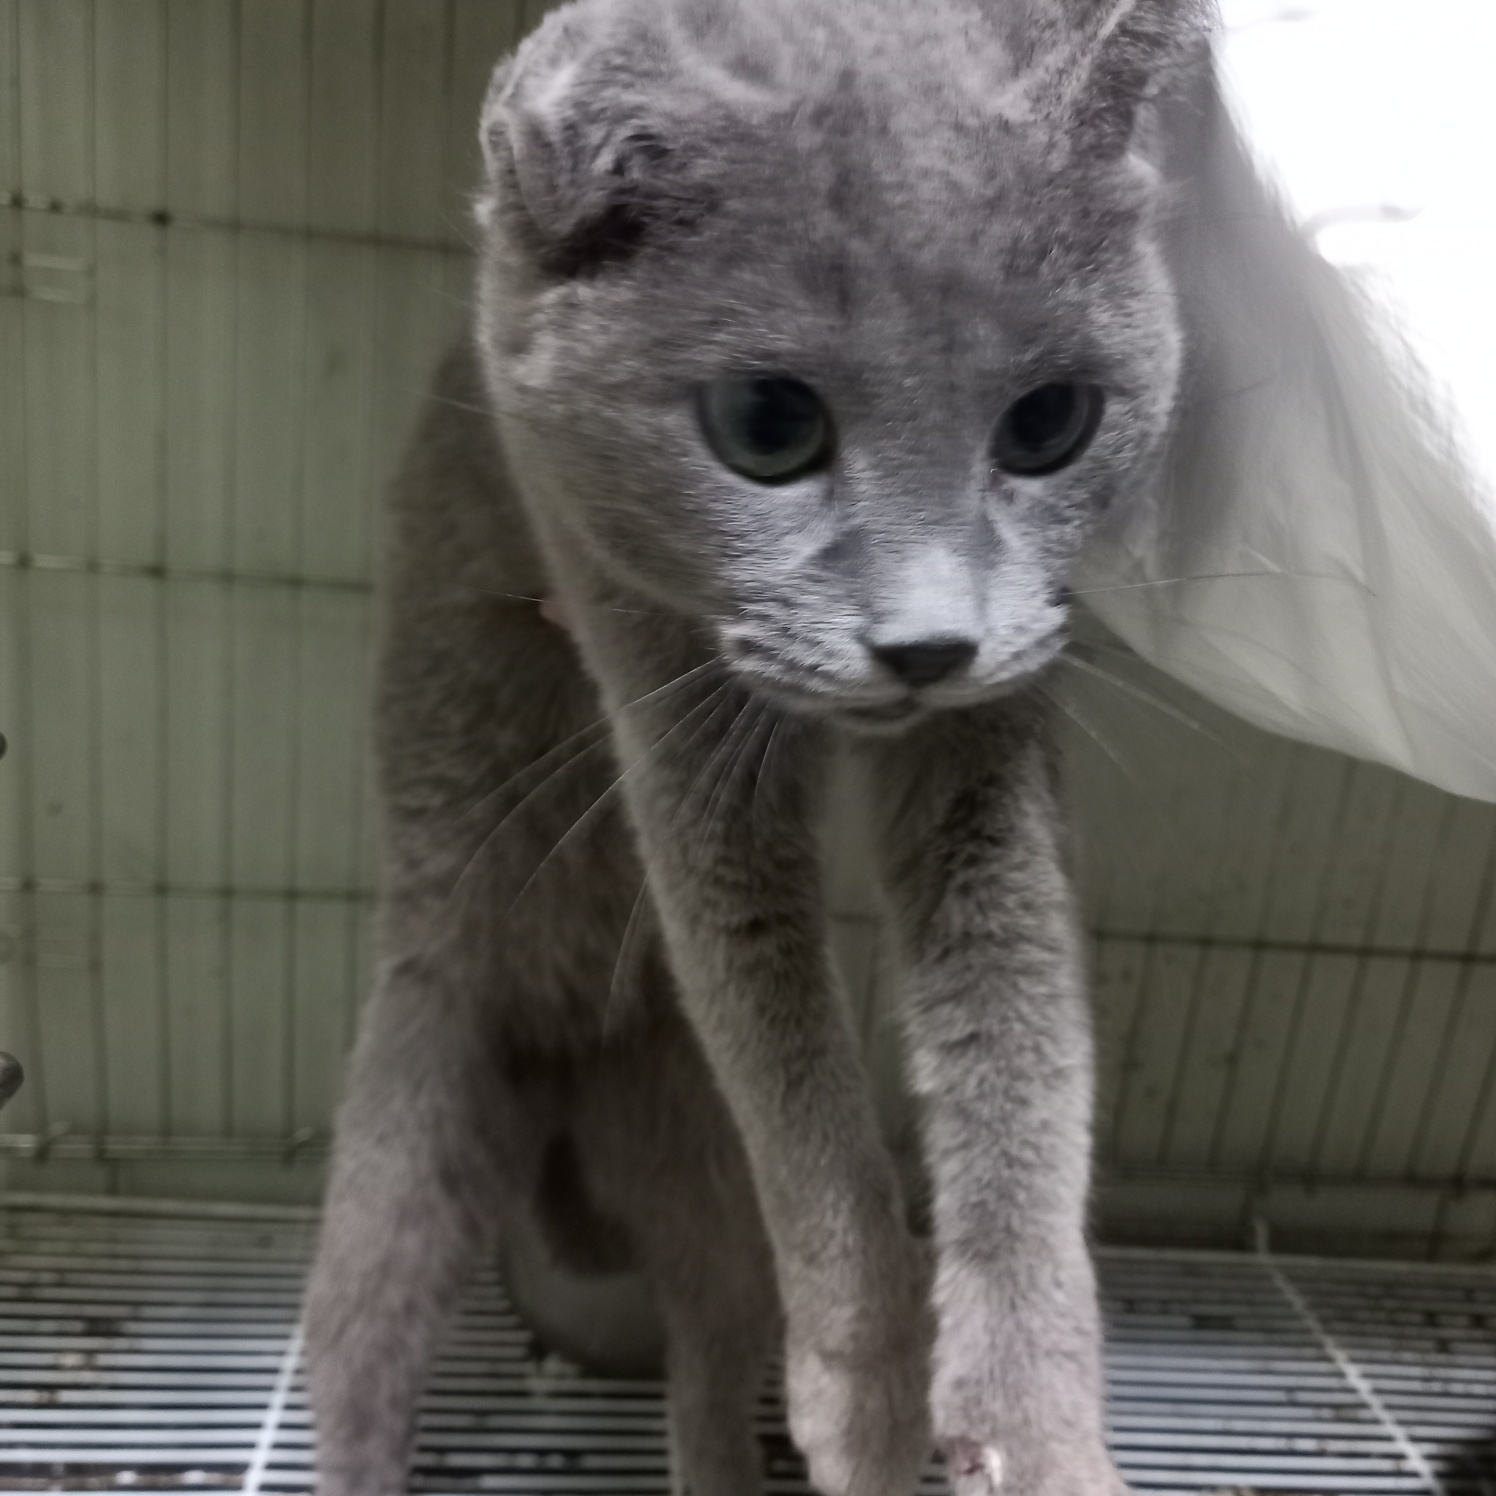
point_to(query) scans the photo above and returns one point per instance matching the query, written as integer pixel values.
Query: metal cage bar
(158, 1348)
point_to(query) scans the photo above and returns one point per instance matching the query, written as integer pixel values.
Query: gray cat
(813, 339)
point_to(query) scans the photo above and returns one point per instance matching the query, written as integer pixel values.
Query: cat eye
(766, 427)
(1046, 429)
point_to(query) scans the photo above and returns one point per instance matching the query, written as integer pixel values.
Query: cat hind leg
(412, 1204)
(656, 1136)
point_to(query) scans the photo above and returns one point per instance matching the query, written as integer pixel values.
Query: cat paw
(974, 1468)
(860, 1420)
(1016, 1396)
(978, 1468)
(1001, 1441)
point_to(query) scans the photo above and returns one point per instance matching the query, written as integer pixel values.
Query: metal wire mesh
(159, 1352)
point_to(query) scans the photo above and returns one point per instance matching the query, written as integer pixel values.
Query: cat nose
(922, 662)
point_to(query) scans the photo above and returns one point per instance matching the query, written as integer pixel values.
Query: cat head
(834, 324)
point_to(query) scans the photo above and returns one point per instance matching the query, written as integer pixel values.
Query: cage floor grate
(157, 1352)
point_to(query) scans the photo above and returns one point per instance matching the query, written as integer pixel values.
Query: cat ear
(579, 159)
(1132, 50)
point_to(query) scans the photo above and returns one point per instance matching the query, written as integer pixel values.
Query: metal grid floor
(158, 1350)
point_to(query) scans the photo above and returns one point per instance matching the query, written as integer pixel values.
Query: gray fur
(922, 211)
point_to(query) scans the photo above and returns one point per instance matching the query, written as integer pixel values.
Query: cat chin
(875, 718)
(886, 719)
(879, 722)
(854, 727)
(888, 722)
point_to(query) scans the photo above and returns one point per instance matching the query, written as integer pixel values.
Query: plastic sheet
(1319, 555)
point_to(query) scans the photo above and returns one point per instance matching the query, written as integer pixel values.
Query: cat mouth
(882, 713)
(881, 710)
(891, 714)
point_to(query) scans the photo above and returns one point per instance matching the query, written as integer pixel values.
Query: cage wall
(233, 236)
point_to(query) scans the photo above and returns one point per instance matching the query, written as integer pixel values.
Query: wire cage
(234, 234)
(158, 1350)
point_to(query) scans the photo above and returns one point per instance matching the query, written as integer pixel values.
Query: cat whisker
(1109, 750)
(624, 945)
(625, 949)
(600, 727)
(1067, 709)
(586, 816)
(743, 757)
(1319, 683)
(732, 750)
(1215, 576)
(752, 756)
(755, 711)
(463, 227)
(1139, 693)
(1309, 676)
(475, 410)
(763, 771)
(463, 301)
(1158, 703)
(598, 731)
(490, 838)
(526, 597)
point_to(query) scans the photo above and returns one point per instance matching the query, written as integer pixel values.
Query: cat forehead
(874, 194)
(625, 130)
(862, 149)
(932, 102)
(857, 73)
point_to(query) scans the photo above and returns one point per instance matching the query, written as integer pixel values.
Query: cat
(812, 340)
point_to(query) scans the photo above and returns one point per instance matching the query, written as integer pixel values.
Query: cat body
(811, 344)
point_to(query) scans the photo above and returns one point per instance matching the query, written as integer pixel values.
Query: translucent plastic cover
(1319, 554)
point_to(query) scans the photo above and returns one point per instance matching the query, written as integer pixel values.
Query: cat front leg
(1000, 1055)
(720, 790)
